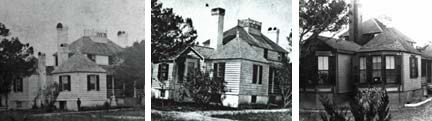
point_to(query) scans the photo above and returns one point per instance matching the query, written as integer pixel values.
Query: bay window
(390, 69)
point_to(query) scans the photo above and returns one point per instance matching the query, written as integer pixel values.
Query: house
(82, 69)
(370, 52)
(242, 56)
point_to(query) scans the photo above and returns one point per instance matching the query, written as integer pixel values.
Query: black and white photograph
(64, 60)
(221, 60)
(364, 60)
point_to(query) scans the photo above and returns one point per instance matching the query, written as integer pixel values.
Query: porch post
(113, 98)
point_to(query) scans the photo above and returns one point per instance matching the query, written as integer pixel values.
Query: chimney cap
(218, 11)
(59, 25)
(120, 33)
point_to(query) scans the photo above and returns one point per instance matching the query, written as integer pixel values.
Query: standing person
(79, 104)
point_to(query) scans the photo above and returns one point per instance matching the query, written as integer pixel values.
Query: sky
(34, 21)
(272, 13)
(413, 17)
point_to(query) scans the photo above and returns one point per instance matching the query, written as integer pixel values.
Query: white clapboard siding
(79, 88)
(232, 77)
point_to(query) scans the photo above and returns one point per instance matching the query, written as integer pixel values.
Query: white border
(147, 45)
(295, 59)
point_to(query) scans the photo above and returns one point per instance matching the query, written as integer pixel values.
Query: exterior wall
(247, 88)
(31, 88)
(232, 79)
(102, 60)
(343, 77)
(407, 82)
(79, 90)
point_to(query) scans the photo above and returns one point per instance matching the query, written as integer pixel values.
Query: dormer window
(91, 57)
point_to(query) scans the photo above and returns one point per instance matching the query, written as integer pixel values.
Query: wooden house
(242, 56)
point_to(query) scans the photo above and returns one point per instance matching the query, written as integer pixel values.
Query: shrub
(368, 104)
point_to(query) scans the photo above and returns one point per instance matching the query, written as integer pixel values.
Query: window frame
(323, 69)
(93, 86)
(413, 61)
(62, 83)
(163, 73)
(257, 74)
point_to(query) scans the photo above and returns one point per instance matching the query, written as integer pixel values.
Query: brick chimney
(250, 25)
(122, 37)
(62, 43)
(355, 30)
(274, 34)
(217, 19)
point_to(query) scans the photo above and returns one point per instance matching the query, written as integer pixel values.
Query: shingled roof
(258, 40)
(204, 51)
(340, 44)
(370, 26)
(238, 48)
(389, 40)
(94, 45)
(78, 63)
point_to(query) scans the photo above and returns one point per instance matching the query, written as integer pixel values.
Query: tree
(130, 65)
(317, 16)
(204, 89)
(50, 94)
(16, 60)
(283, 76)
(170, 33)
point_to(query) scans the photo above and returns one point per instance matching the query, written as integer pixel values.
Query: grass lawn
(169, 105)
(81, 116)
(270, 116)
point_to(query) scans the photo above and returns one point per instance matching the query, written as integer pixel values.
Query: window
(376, 67)
(323, 69)
(65, 83)
(281, 55)
(257, 74)
(253, 99)
(162, 93)
(265, 53)
(413, 67)
(163, 71)
(390, 69)
(18, 104)
(271, 80)
(191, 67)
(18, 85)
(363, 70)
(111, 60)
(56, 60)
(91, 57)
(93, 82)
(219, 70)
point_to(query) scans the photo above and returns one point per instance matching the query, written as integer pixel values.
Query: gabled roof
(204, 51)
(370, 26)
(339, 44)
(94, 45)
(78, 63)
(258, 40)
(389, 40)
(238, 48)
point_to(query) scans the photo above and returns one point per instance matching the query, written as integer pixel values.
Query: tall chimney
(41, 69)
(274, 34)
(122, 38)
(218, 20)
(355, 30)
(62, 43)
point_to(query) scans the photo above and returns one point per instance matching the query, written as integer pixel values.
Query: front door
(62, 105)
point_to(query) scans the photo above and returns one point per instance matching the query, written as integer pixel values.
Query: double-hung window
(376, 67)
(257, 74)
(323, 69)
(93, 82)
(390, 69)
(65, 83)
(363, 70)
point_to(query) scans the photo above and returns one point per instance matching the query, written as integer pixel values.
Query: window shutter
(166, 72)
(215, 70)
(69, 83)
(355, 69)
(254, 74)
(332, 69)
(368, 68)
(60, 84)
(398, 63)
(260, 74)
(383, 69)
(97, 82)
(222, 70)
(270, 80)
(88, 82)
